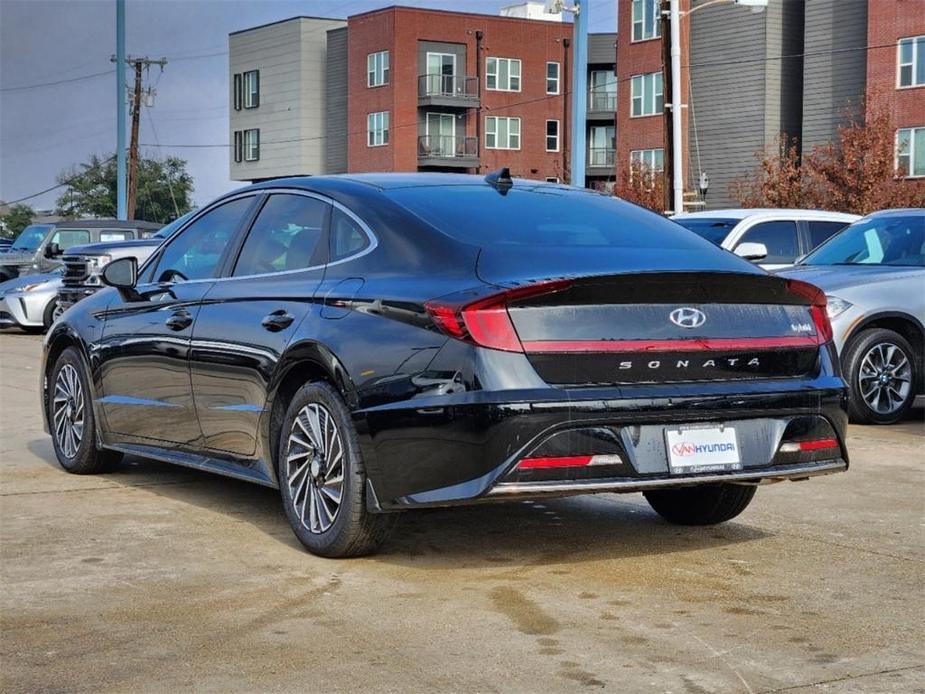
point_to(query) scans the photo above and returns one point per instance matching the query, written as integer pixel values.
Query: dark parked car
(374, 343)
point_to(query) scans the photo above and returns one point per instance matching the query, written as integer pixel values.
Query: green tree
(164, 189)
(17, 219)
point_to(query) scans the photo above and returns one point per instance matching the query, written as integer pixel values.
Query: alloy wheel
(885, 378)
(315, 468)
(56, 312)
(68, 410)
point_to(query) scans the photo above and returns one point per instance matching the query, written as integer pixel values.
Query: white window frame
(377, 129)
(251, 96)
(911, 153)
(377, 69)
(649, 98)
(556, 136)
(654, 31)
(647, 157)
(491, 131)
(252, 144)
(556, 80)
(492, 70)
(918, 42)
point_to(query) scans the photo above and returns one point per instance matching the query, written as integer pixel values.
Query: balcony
(602, 105)
(448, 90)
(448, 151)
(600, 161)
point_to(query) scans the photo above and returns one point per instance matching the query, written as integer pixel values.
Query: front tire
(879, 366)
(52, 311)
(70, 417)
(322, 479)
(706, 504)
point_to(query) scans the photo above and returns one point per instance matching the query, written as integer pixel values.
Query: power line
(63, 183)
(57, 82)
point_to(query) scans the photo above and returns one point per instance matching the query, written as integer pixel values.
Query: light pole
(121, 189)
(579, 80)
(674, 21)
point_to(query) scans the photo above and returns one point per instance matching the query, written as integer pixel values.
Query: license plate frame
(701, 448)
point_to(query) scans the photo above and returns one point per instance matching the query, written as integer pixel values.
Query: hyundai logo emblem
(687, 317)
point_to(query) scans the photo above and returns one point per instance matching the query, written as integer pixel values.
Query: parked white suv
(772, 238)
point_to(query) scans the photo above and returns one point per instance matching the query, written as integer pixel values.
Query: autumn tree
(643, 186)
(779, 181)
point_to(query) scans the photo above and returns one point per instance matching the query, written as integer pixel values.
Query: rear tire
(71, 420)
(866, 355)
(707, 504)
(322, 478)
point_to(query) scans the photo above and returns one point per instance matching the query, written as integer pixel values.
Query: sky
(45, 130)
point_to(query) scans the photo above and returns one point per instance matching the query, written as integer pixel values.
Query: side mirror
(52, 250)
(752, 251)
(121, 273)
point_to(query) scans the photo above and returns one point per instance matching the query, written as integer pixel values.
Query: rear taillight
(485, 321)
(817, 300)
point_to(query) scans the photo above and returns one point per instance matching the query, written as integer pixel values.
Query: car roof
(746, 212)
(389, 181)
(898, 212)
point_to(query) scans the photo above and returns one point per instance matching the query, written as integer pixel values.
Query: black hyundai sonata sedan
(374, 343)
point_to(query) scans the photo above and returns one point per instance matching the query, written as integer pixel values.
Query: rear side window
(780, 238)
(65, 238)
(347, 238)
(287, 235)
(114, 235)
(823, 231)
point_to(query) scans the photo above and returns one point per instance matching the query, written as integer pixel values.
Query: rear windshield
(713, 229)
(547, 216)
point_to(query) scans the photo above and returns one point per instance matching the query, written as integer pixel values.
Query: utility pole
(133, 145)
(120, 109)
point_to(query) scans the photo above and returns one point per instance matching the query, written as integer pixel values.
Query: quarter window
(780, 238)
(502, 74)
(647, 95)
(377, 69)
(552, 136)
(912, 61)
(195, 252)
(286, 235)
(910, 151)
(251, 145)
(347, 238)
(252, 89)
(377, 129)
(552, 78)
(502, 133)
(646, 22)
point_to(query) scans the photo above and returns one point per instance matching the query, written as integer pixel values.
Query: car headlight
(835, 306)
(100, 260)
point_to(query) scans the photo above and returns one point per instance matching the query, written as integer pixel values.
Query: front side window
(252, 89)
(780, 238)
(286, 235)
(911, 61)
(650, 159)
(502, 133)
(251, 145)
(646, 91)
(347, 238)
(552, 78)
(377, 129)
(502, 74)
(910, 151)
(195, 252)
(552, 136)
(65, 238)
(646, 21)
(377, 69)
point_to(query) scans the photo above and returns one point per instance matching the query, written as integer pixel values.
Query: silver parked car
(31, 301)
(873, 274)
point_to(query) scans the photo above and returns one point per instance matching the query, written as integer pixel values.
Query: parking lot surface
(157, 578)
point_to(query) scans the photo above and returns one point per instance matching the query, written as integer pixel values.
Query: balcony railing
(602, 101)
(448, 86)
(447, 146)
(601, 156)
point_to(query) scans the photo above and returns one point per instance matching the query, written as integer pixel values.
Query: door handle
(278, 320)
(179, 320)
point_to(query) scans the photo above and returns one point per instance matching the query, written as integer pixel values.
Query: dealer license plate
(702, 449)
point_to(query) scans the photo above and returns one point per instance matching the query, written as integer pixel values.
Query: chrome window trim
(373, 240)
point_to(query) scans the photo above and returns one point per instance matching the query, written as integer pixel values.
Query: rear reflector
(817, 445)
(568, 461)
(685, 345)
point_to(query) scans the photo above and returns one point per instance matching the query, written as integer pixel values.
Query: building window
(552, 136)
(377, 129)
(647, 95)
(502, 133)
(502, 74)
(646, 21)
(910, 151)
(602, 93)
(252, 89)
(238, 145)
(552, 78)
(912, 61)
(238, 92)
(651, 159)
(377, 69)
(251, 145)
